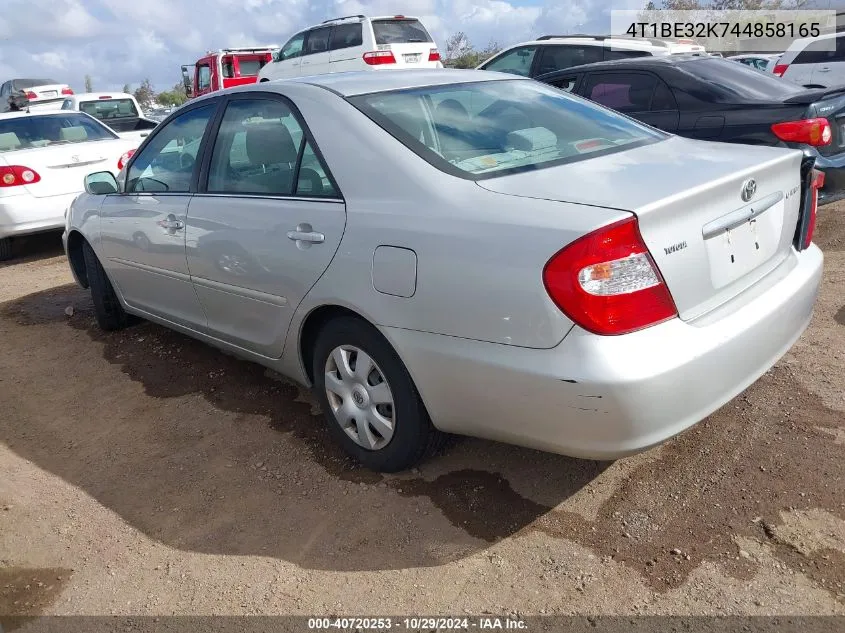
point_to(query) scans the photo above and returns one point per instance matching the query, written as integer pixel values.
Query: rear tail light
(124, 159)
(17, 175)
(607, 282)
(810, 131)
(31, 95)
(780, 69)
(815, 186)
(434, 55)
(379, 58)
(67, 91)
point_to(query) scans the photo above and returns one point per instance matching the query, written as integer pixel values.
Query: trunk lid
(708, 242)
(63, 167)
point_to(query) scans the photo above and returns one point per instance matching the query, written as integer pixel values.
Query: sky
(120, 42)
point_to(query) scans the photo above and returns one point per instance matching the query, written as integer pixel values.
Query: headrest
(269, 144)
(9, 140)
(532, 139)
(75, 133)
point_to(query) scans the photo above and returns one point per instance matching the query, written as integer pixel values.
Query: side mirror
(101, 183)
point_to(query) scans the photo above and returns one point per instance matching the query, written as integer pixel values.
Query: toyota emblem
(749, 188)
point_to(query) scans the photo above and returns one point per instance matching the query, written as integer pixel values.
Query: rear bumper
(606, 397)
(25, 214)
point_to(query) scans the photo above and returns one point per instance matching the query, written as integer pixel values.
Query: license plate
(49, 93)
(412, 58)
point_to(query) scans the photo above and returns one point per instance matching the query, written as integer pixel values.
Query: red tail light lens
(815, 132)
(379, 58)
(30, 95)
(67, 91)
(780, 69)
(434, 55)
(818, 183)
(125, 159)
(607, 282)
(17, 175)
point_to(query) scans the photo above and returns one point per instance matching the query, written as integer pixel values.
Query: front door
(265, 227)
(143, 228)
(316, 56)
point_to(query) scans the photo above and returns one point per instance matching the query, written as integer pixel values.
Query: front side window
(554, 58)
(516, 62)
(167, 164)
(259, 150)
(204, 79)
(292, 49)
(50, 130)
(528, 125)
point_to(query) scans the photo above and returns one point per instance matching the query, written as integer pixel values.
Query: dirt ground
(142, 472)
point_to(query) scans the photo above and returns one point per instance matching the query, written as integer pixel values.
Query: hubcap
(360, 397)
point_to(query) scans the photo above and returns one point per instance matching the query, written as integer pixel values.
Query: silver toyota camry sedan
(459, 252)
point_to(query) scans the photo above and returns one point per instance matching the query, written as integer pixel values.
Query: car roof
(630, 43)
(359, 82)
(95, 96)
(656, 61)
(349, 19)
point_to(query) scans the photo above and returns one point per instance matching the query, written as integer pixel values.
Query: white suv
(814, 62)
(558, 52)
(355, 43)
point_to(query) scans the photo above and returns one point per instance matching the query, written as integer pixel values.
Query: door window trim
(205, 164)
(213, 121)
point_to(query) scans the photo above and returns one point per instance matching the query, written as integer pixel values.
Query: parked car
(40, 92)
(814, 62)
(719, 100)
(537, 269)
(118, 110)
(226, 68)
(44, 158)
(354, 43)
(557, 52)
(759, 61)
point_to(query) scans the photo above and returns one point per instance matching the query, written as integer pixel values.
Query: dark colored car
(719, 100)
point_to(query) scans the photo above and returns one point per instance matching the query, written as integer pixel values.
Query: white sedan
(44, 158)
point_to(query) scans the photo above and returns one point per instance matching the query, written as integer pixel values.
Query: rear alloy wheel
(370, 402)
(107, 309)
(5, 248)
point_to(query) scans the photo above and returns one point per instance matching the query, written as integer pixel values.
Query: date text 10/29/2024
(678, 30)
(418, 624)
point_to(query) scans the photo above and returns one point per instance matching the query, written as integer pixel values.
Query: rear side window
(554, 58)
(346, 36)
(44, 131)
(626, 92)
(610, 54)
(105, 109)
(815, 52)
(317, 41)
(399, 31)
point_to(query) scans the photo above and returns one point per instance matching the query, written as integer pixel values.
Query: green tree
(174, 97)
(460, 52)
(127, 88)
(145, 94)
(89, 85)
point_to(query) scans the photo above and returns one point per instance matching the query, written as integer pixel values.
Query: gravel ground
(142, 472)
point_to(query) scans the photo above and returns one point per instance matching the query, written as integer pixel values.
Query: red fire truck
(225, 68)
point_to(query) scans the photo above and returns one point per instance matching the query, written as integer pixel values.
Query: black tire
(414, 436)
(107, 309)
(5, 248)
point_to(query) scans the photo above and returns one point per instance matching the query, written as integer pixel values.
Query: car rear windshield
(490, 128)
(20, 84)
(43, 131)
(399, 31)
(740, 81)
(105, 109)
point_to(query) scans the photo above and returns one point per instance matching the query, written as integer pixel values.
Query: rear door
(408, 39)
(560, 57)
(265, 226)
(641, 95)
(143, 228)
(316, 56)
(829, 71)
(346, 47)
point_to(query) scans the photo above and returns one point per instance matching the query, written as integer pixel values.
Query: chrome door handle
(307, 236)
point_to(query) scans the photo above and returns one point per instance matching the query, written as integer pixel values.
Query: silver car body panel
(468, 314)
